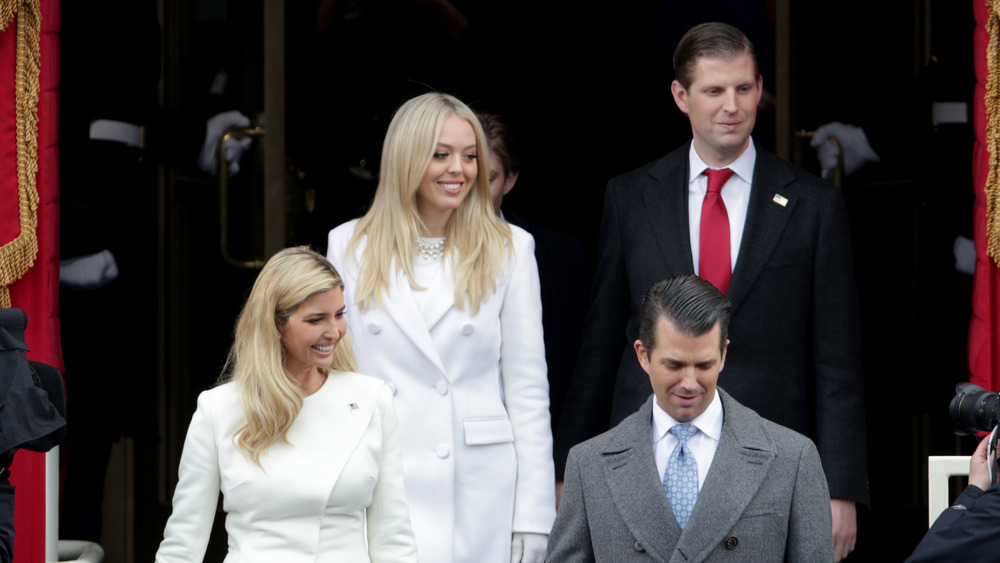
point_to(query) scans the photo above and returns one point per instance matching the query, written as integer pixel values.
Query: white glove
(88, 272)
(235, 148)
(965, 255)
(528, 548)
(857, 151)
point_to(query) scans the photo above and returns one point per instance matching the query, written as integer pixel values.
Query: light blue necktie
(680, 481)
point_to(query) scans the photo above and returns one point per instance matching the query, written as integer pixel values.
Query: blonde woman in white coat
(445, 307)
(305, 452)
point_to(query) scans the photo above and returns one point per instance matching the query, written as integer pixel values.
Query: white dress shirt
(735, 194)
(702, 445)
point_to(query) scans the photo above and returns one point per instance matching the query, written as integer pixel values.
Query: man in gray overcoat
(693, 475)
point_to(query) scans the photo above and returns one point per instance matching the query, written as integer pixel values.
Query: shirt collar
(742, 166)
(709, 422)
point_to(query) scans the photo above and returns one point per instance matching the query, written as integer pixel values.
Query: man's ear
(640, 353)
(680, 95)
(725, 348)
(508, 183)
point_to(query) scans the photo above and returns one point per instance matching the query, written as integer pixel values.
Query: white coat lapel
(401, 307)
(340, 423)
(440, 296)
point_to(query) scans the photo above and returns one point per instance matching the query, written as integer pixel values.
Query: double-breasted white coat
(472, 397)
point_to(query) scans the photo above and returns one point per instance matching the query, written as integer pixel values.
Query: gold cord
(18, 255)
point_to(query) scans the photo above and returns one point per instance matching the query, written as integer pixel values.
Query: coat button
(468, 329)
(374, 328)
(443, 451)
(638, 546)
(732, 542)
(442, 387)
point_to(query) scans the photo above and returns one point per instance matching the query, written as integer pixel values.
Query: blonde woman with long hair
(304, 450)
(445, 307)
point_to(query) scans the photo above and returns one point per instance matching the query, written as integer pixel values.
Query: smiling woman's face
(450, 174)
(312, 331)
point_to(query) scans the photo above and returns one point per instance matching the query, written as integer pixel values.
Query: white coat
(339, 471)
(477, 446)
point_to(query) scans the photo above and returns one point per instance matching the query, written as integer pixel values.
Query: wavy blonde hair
(271, 399)
(476, 240)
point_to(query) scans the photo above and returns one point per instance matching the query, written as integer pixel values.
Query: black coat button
(732, 542)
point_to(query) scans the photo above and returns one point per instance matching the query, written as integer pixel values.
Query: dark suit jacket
(764, 498)
(565, 275)
(795, 352)
(32, 412)
(32, 407)
(969, 530)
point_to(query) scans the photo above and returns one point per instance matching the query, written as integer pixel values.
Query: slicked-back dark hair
(711, 40)
(691, 304)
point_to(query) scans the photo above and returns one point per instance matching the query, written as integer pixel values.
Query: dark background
(586, 89)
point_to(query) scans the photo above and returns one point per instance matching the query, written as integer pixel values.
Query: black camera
(974, 409)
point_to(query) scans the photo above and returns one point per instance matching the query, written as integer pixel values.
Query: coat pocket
(485, 431)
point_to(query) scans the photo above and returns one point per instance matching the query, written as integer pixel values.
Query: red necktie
(714, 255)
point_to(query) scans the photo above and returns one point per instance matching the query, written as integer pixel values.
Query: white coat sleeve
(197, 494)
(526, 390)
(390, 536)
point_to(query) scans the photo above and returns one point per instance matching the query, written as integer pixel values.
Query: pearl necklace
(431, 250)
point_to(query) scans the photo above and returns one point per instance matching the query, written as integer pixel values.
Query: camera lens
(974, 409)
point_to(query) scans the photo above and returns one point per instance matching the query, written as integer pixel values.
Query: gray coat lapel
(765, 222)
(741, 463)
(630, 471)
(665, 197)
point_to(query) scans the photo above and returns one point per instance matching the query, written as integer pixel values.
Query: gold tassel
(18, 255)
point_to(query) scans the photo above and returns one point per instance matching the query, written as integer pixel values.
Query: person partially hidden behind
(693, 475)
(969, 530)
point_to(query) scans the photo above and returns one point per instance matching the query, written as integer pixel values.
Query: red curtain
(984, 332)
(37, 292)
